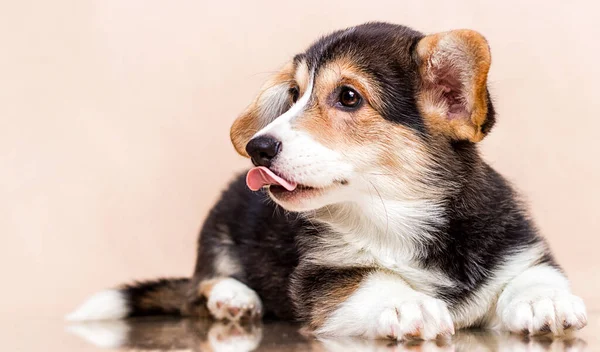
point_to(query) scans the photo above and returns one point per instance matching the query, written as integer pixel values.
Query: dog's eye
(294, 94)
(349, 98)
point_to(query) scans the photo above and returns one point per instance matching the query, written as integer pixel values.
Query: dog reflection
(205, 335)
(179, 335)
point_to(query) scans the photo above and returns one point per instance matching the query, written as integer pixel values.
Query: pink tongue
(262, 176)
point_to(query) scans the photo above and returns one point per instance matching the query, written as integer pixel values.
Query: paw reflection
(233, 337)
(350, 344)
(543, 343)
(206, 335)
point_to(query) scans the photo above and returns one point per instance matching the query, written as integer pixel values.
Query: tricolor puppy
(370, 211)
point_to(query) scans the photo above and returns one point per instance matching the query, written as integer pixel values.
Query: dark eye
(294, 94)
(349, 98)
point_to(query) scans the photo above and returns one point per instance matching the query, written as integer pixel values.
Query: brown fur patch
(172, 296)
(467, 53)
(329, 125)
(343, 71)
(206, 286)
(324, 307)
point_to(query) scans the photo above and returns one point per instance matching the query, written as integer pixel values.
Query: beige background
(114, 119)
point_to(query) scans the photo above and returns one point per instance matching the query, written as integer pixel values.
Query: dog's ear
(273, 100)
(453, 96)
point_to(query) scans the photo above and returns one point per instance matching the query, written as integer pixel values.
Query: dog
(369, 211)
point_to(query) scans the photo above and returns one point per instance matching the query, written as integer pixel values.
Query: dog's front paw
(425, 319)
(542, 310)
(230, 299)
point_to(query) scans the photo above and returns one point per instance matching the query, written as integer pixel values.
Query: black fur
(383, 51)
(258, 235)
(486, 224)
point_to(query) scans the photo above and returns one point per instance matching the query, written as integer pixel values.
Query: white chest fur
(389, 237)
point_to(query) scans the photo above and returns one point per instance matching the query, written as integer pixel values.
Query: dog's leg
(213, 283)
(229, 299)
(539, 301)
(226, 298)
(371, 304)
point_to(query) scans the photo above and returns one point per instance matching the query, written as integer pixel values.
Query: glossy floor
(200, 335)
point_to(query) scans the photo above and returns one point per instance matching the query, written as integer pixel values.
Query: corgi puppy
(369, 211)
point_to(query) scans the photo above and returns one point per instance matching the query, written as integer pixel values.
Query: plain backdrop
(115, 116)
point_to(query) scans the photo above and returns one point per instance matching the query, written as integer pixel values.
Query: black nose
(263, 150)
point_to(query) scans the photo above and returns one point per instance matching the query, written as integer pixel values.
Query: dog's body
(393, 225)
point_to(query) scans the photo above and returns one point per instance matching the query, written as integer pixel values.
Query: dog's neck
(388, 234)
(389, 226)
(380, 229)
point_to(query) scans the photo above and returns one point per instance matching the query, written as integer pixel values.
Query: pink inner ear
(448, 81)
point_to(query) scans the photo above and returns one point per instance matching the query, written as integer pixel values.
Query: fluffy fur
(398, 228)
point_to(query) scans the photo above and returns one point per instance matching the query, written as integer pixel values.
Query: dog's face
(368, 112)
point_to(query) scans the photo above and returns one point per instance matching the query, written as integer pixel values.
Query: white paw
(542, 310)
(232, 300)
(425, 319)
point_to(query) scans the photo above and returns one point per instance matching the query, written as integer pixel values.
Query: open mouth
(300, 191)
(279, 187)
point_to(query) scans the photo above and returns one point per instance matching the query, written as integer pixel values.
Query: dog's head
(377, 109)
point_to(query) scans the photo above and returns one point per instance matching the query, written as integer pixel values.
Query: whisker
(387, 219)
(329, 211)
